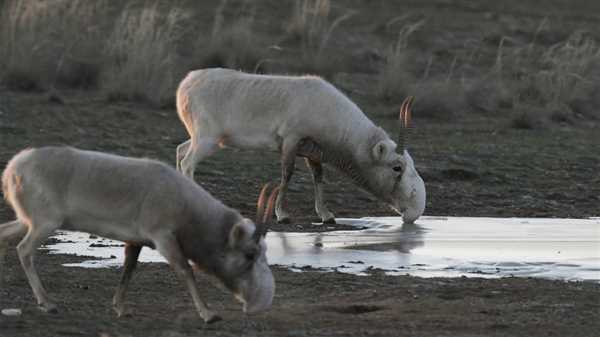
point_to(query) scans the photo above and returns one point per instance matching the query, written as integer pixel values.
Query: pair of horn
(264, 209)
(404, 122)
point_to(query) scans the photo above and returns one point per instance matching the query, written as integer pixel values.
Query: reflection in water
(567, 249)
(404, 239)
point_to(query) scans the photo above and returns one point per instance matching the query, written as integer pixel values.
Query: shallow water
(565, 249)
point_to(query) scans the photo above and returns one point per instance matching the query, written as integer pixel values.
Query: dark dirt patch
(310, 303)
(353, 309)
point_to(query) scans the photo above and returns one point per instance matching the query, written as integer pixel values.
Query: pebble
(11, 312)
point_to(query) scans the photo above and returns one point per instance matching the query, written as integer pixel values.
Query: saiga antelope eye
(250, 256)
(398, 168)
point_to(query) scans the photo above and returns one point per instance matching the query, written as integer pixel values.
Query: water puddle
(565, 249)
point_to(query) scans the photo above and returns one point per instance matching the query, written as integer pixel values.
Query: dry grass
(396, 80)
(142, 63)
(133, 55)
(232, 44)
(313, 26)
(139, 50)
(551, 83)
(48, 43)
(440, 95)
(537, 84)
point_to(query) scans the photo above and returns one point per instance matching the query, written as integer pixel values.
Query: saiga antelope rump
(297, 116)
(143, 203)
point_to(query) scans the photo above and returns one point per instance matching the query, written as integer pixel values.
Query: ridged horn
(264, 210)
(404, 123)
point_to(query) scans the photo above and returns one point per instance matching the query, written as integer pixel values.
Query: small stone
(217, 172)
(296, 333)
(55, 98)
(11, 312)
(356, 262)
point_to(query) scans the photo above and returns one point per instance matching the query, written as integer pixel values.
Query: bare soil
(311, 303)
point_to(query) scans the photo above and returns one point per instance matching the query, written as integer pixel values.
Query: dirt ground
(473, 165)
(306, 304)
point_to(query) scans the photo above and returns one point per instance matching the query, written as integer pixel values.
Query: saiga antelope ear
(383, 150)
(239, 232)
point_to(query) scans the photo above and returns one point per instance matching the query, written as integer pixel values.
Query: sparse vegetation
(396, 77)
(44, 44)
(537, 83)
(312, 25)
(140, 50)
(142, 64)
(232, 44)
(546, 82)
(440, 95)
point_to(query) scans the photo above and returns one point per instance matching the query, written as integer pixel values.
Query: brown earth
(312, 303)
(473, 164)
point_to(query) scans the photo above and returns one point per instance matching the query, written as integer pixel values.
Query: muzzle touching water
(257, 293)
(411, 203)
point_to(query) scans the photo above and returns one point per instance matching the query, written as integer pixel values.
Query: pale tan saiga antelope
(297, 116)
(141, 202)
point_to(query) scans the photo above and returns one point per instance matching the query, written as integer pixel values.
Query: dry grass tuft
(538, 84)
(395, 77)
(550, 82)
(49, 43)
(142, 63)
(440, 99)
(231, 45)
(312, 24)
(310, 20)
(439, 95)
